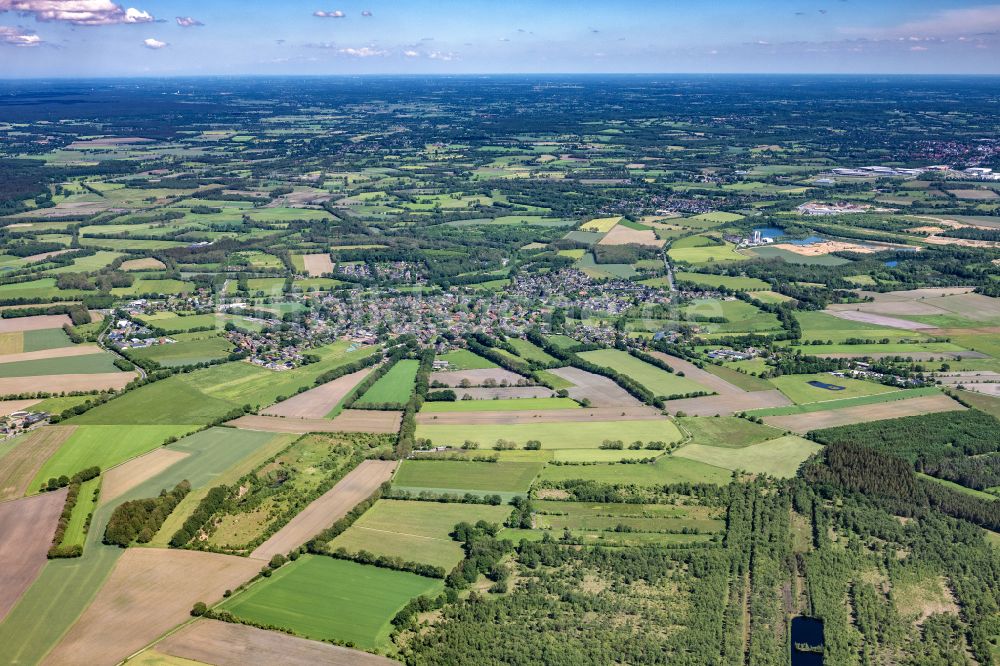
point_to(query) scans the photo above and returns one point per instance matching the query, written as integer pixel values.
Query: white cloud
(155, 44)
(945, 23)
(17, 37)
(363, 52)
(411, 54)
(443, 56)
(77, 12)
(336, 13)
(366, 13)
(188, 22)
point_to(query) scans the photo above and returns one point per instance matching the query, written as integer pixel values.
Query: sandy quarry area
(333, 505)
(826, 247)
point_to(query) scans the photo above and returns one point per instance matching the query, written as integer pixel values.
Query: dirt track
(475, 377)
(27, 526)
(727, 405)
(316, 403)
(149, 592)
(350, 420)
(333, 505)
(20, 466)
(58, 352)
(541, 416)
(317, 264)
(35, 323)
(224, 644)
(803, 423)
(601, 391)
(699, 376)
(58, 383)
(119, 480)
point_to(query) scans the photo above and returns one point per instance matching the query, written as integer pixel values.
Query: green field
(821, 326)
(415, 531)
(463, 359)
(88, 364)
(514, 404)
(726, 431)
(205, 395)
(799, 391)
(900, 348)
(706, 255)
(46, 338)
(666, 470)
(323, 598)
(531, 352)
(553, 380)
(779, 457)
(187, 352)
(85, 505)
(899, 394)
(562, 341)
(65, 587)
(458, 476)
(660, 382)
(104, 446)
(735, 283)
(174, 323)
(393, 387)
(739, 379)
(638, 517)
(570, 435)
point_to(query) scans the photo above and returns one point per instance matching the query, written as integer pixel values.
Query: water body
(892, 264)
(771, 232)
(807, 632)
(824, 385)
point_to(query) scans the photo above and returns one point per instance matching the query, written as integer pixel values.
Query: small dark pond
(807, 641)
(824, 385)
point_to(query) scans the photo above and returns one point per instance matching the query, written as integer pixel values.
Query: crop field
(648, 518)
(120, 479)
(668, 469)
(599, 391)
(415, 531)
(227, 644)
(660, 382)
(741, 380)
(553, 435)
(330, 507)
(816, 420)
(104, 446)
(463, 359)
(27, 525)
(35, 323)
(24, 456)
(779, 457)
(186, 352)
(149, 592)
(706, 254)
(899, 394)
(319, 402)
(205, 395)
(459, 476)
(514, 404)
(826, 327)
(800, 391)
(347, 601)
(710, 280)
(476, 377)
(17, 342)
(276, 491)
(600, 225)
(726, 431)
(528, 351)
(393, 387)
(87, 364)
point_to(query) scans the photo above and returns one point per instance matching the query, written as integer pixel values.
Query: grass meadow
(459, 475)
(779, 457)
(660, 382)
(575, 435)
(667, 469)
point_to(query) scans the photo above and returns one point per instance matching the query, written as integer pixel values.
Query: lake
(807, 632)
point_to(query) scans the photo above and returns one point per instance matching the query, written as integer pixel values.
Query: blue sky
(42, 38)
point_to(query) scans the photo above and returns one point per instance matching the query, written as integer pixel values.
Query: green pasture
(660, 382)
(395, 386)
(667, 469)
(797, 388)
(779, 457)
(460, 475)
(566, 435)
